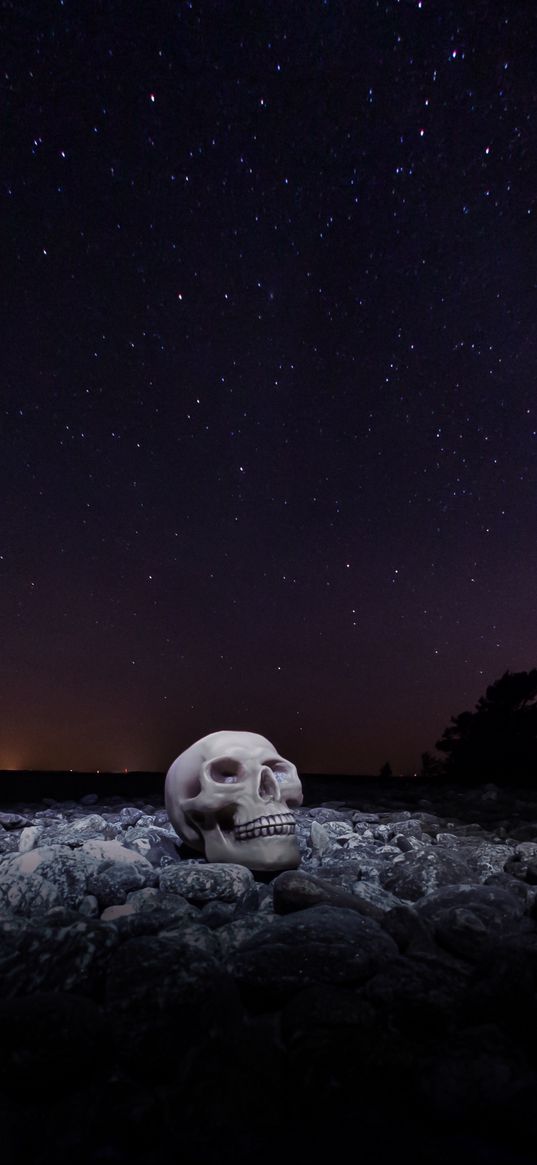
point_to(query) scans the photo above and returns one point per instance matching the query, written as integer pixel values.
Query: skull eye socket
(280, 769)
(225, 771)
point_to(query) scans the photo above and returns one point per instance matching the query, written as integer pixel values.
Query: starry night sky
(269, 404)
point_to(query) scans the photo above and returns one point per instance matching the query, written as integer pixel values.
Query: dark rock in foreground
(155, 1007)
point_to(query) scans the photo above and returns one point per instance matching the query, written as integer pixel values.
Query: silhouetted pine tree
(432, 766)
(497, 742)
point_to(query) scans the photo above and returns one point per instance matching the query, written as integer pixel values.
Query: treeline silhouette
(497, 742)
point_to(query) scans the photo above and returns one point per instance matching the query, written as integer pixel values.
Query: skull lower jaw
(279, 852)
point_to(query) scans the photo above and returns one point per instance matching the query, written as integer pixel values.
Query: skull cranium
(229, 795)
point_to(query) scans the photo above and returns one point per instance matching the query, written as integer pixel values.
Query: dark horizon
(154, 773)
(23, 787)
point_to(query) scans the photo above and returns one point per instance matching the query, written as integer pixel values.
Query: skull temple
(230, 795)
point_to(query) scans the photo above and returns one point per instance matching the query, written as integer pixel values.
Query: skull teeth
(277, 824)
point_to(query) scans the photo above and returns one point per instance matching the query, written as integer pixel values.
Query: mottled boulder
(417, 874)
(9, 842)
(405, 826)
(129, 815)
(295, 890)
(30, 883)
(320, 945)
(239, 931)
(110, 850)
(217, 914)
(486, 858)
(75, 832)
(341, 871)
(324, 814)
(162, 995)
(111, 881)
(319, 840)
(29, 838)
(374, 900)
(465, 919)
(506, 907)
(55, 954)
(164, 849)
(201, 882)
(168, 912)
(411, 933)
(13, 821)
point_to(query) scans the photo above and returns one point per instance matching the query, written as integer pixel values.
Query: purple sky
(269, 415)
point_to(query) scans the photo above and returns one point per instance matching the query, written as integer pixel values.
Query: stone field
(379, 1003)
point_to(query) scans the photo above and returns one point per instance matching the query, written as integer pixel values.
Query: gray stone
(408, 843)
(90, 823)
(144, 899)
(337, 830)
(451, 841)
(324, 814)
(463, 931)
(506, 907)
(29, 838)
(129, 816)
(160, 996)
(320, 945)
(296, 890)
(418, 874)
(374, 900)
(110, 850)
(217, 914)
(31, 883)
(199, 882)
(407, 826)
(486, 858)
(361, 818)
(170, 914)
(13, 821)
(408, 929)
(9, 842)
(319, 839)
(111, 881)
(89, 906)
(50, 956)
(233, 935)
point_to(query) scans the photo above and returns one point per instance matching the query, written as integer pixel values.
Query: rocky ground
(156, 1008)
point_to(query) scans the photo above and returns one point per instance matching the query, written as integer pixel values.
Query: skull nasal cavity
(268, 785)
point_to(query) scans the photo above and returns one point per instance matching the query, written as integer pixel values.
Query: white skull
(229, 794)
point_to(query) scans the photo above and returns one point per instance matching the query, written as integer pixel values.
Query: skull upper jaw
(259, 853)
